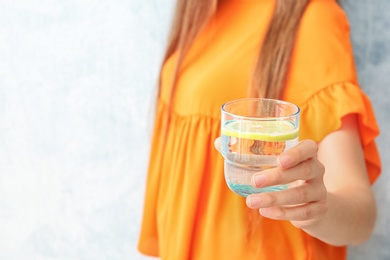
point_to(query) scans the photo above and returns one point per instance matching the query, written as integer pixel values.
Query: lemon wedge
(271, 131)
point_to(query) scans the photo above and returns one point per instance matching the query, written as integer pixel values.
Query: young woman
(298, 51)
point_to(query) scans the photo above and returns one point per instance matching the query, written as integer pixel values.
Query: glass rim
(241, 100)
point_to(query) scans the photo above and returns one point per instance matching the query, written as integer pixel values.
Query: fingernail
(285, 161)
(258, 180)
(265, 212)
(253, 202)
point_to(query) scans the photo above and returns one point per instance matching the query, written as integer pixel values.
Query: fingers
(301, 203)
(305, 193)
(310, 211)
(306, 199)
(302, 151)
(306, 170)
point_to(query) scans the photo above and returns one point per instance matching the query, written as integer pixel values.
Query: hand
(322, 207)
(304, 202)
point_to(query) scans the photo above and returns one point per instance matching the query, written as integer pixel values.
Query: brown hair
(274, 57)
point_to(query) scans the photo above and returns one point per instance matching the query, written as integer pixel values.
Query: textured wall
(76, 80)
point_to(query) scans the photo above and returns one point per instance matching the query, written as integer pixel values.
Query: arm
(332, 200)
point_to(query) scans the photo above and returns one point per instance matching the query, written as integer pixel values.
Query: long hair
(274, 56)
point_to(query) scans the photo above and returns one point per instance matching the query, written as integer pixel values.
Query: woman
(297, 51)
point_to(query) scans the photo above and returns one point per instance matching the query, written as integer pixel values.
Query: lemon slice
(272, 131)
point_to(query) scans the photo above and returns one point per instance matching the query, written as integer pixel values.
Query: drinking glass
(254, 132)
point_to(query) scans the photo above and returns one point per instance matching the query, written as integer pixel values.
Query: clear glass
(254, 132)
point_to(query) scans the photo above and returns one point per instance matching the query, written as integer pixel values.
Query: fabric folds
(322, 114)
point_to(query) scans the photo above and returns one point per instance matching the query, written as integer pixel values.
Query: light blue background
(77, 78)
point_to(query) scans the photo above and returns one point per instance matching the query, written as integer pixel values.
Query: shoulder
(324, 29)
(323, 17)
(328, 10)
(323, 54)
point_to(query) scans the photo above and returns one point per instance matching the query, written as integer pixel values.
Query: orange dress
(189, 211)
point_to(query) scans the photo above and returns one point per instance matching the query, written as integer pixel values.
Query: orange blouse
(189, 211)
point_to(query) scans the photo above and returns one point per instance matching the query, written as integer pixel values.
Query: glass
(254, 132)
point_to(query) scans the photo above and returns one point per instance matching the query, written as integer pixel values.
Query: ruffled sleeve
(322, 114)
